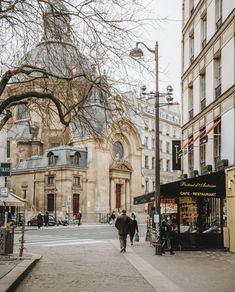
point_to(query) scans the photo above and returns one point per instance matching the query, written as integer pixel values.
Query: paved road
(87, 258)
(80, 259)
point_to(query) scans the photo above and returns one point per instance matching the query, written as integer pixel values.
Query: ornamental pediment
(121, 165)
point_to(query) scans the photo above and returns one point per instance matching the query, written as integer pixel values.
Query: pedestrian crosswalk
(49, 241)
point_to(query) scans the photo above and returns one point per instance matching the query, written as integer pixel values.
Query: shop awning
(211, 128)
(208, 185)
(12, 200)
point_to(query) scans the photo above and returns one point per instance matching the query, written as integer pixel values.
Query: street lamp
(137, 53)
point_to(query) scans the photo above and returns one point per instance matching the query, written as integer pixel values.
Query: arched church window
(118, 150)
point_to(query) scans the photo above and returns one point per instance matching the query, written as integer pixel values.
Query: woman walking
(133, 227)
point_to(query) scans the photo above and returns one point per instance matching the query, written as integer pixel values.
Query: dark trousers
(122, 239)
(132, 236)
(166, 243)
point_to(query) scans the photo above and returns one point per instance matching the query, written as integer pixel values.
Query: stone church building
(67, 171)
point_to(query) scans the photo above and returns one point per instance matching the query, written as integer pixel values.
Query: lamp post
(137, 53)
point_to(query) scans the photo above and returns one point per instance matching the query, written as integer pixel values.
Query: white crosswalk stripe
(59, 241)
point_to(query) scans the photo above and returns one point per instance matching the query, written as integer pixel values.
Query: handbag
(137, 238)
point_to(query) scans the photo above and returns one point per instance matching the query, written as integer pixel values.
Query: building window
(217, 143)
(161, 164)
(22, 112)
(51, 158)
(153, 143)
(24, 194)
(146, 185)
(174, 133)
(167, 147)
(190, 156)
(118, 150)
(77, 180)
(8, 149)
(190, 102)
(168, 165)
(217, 76)
(146, 162)
(50, 180)
(191, 47)
(218, 13)
(191, 7)
(203, 30)
(153, 185)
(76, 158)
(202, 90)
(146, 141)
(202, 150)
(160, 145)
(153, 162)
(167, 130)
(50, 202)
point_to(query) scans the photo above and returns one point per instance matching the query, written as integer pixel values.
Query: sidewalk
(13, 270)
(209, 271)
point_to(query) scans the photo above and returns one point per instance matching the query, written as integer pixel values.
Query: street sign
(4, 192)
(5, 169)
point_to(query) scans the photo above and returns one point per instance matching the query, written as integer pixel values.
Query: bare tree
(53, 53)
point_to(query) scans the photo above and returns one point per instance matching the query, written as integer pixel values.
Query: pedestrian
(112, 217)
(79, 217)
(46, 219)
(40, 220)
(123, 223)
(166, 230)
(133, 227)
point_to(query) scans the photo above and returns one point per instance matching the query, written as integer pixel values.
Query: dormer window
(76, 156)
(51, 158)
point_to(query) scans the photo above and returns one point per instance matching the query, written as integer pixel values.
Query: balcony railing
(203, 103)
(219, 23)
(203, 43)
(190, 114)
(218, 91)
(192, 59)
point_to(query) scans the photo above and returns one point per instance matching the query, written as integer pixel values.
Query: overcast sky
(168, 35)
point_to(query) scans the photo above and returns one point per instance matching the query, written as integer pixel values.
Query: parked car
(34, 221)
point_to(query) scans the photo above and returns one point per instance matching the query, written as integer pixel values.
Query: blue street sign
(5, 169)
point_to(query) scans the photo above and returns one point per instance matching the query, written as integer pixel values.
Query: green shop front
(196, 208)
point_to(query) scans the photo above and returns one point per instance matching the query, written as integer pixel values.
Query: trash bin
(6, 240)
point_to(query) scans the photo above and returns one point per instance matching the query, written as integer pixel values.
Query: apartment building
(208, 85)
(208, 105)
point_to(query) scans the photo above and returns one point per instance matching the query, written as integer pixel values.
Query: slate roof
(63, 158)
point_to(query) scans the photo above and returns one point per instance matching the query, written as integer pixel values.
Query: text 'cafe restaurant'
(197, 210)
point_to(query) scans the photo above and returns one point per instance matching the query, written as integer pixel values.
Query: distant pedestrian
(79, 217)
(166, 232)
(46, 219)
(112, 217)
(40, 220)
(133, 227)
(123, 223)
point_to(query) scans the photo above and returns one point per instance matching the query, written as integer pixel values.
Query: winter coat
(40, 220)
(46, 218)
(133, 226)
(123, 223)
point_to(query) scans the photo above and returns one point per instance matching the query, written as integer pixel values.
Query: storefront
(196, 209)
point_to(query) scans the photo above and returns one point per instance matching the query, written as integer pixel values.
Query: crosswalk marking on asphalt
(49, 241)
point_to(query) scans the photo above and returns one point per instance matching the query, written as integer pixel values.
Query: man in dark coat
(40, 220)
(123, 223)
(166, 230)
(46, 219)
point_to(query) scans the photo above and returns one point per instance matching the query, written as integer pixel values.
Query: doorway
(76, 204)
(118, 195)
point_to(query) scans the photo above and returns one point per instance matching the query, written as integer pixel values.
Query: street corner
(14, 275)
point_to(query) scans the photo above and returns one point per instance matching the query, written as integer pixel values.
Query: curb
(16, 275)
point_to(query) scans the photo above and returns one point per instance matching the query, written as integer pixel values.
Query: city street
(87, 258)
